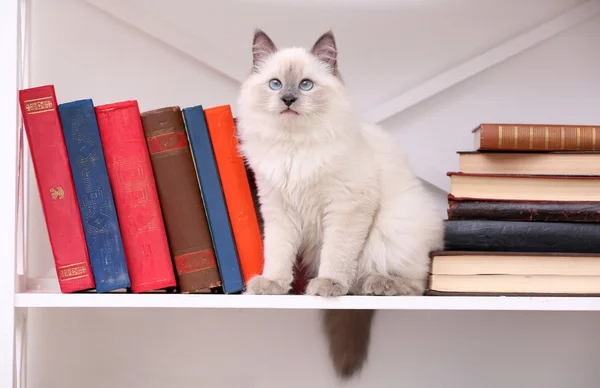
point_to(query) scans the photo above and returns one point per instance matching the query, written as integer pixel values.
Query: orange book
(236, 190)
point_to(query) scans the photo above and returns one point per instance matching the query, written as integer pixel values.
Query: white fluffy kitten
(335, 191)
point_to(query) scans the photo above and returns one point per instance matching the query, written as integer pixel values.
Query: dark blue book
(214, 200)
(94, 195)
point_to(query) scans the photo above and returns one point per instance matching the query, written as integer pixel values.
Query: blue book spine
(94, 195)
(214, 200)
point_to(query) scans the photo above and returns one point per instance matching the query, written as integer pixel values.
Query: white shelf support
(488, 59)
(9, 17)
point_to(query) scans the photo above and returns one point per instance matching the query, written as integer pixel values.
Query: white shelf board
(500, 303)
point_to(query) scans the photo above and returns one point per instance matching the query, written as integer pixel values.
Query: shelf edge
(294, 302)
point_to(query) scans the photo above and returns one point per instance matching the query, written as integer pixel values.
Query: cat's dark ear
(326, 50)
(262, 47)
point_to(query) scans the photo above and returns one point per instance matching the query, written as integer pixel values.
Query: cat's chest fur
(290, 168)
(301, 178)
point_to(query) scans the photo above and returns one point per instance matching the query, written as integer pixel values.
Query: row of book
(523, 214)
(162, 200)
(142, 201)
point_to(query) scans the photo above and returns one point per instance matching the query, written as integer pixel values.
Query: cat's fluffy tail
(348, 333)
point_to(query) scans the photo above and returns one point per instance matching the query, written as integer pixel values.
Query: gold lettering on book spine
(562, 138)
(516, 137)
(57, 193)
(72, 271)
(546, 137)
(39, 105)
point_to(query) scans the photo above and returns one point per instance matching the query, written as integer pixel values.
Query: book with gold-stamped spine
(181, 200)
(56, 188)
(136, 198)
(536, 137)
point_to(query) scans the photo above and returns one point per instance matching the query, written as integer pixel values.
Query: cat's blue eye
(275, 84)
(306, 85)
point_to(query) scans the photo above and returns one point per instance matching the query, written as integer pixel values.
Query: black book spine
(524, 211)
(521, 236)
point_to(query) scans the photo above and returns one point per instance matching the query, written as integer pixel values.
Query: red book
(56, 188)
(236, 190)
(136, 197)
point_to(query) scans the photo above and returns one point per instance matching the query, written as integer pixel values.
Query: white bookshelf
(18, 296)
(9, 331)
(303, 302)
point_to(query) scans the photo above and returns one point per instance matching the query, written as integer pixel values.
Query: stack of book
(142, 201)
(523, 214)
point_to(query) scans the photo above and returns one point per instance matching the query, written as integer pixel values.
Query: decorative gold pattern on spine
(57, 193)
(41, 111)
(72, 271)
(39, 99)
(562, 138)
(39, 105)
(546, 136)
(594, 138)
(516, 137)
(500, 136)
(578, 137)
(530, 137)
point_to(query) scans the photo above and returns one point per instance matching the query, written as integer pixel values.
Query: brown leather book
(536, 137)
(181, 201)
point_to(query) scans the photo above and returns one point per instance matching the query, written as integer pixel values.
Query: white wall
(556, 82)
(86, 53)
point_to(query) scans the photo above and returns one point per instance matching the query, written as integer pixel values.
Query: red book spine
(236, 189)
(136, 197)
(56, 188)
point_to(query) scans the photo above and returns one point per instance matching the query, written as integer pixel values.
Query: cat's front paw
(260, 285)
(326, 287)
